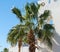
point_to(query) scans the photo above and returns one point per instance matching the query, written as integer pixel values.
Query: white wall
(54, 7)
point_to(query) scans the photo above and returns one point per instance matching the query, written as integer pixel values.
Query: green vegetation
(5, 50)
(31, 27)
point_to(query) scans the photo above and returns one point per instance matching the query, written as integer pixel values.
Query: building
(54, 7)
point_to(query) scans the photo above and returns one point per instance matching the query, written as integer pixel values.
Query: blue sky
(8, 19)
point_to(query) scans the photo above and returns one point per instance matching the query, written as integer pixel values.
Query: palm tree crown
(31, 26)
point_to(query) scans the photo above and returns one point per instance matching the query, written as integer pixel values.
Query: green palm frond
(48, 27)
(46, 38)
(29, 24)
(41, 22)
(40, 34)
(11, 36)
(27, 8)
(49, 42)
(28, 12)
(25, 39)
(12, 41)
(45, 15)
(36, 29)
(33, 8)
(18, 13)
(15, 34)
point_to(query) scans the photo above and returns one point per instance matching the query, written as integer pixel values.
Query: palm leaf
(45, 15)
(29, 24)
(33, 8)
(18, 13)
(27, 8)
(40, 34)
(49, 43)
(15, 34)
(48, 27)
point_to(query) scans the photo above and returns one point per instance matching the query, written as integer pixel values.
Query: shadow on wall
(56, 42)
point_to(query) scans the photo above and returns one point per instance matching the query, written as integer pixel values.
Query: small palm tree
(17, 33)
(5, 50)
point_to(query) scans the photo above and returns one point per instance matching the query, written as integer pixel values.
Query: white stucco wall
(54, 7)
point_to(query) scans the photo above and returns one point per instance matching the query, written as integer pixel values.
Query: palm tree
(31, 25)
(41, 28)
(5, 50)
(31, 16)
(17, 33)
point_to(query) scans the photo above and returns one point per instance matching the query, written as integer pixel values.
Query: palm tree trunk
(19, 45)
(32, 47)
(31, 41)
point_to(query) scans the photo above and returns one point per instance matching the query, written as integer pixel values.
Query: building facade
(54, 7)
